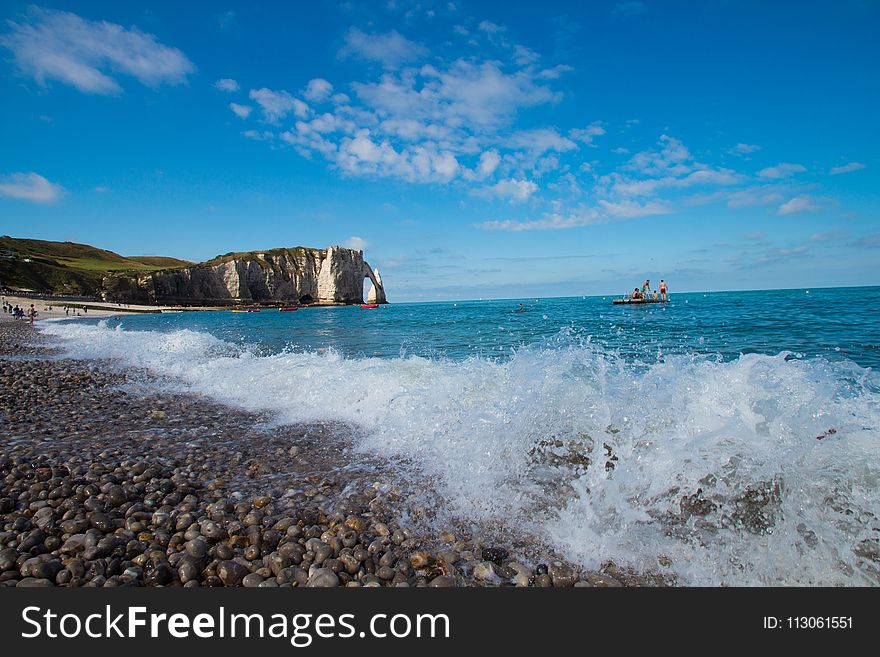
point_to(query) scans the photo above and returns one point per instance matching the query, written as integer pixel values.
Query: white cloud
(583, 216)
(241, 111)
(539, 141)
(58, 45)
(781, 170)
(754, 196)
(318, 90)
(744, 149)
(278, 104)
(555, 72)
(629, 187)
(431, 124)
(800, 203)
(829, 236)
(259, 135)
(226, 84)
(326, 123)
(489, 161)
(551, 221)
(671, 158)
(356, 243)
(466, 95)
(490, 28)
(846, 168)
(514, 191)
(391, 49)
(587, 134)
(632, 209)
(30, 187)
(419, 163)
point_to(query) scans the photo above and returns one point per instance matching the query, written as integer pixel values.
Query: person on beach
(32, 313)
(663, 289)
(67, 311)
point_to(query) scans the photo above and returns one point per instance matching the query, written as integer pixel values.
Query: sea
(723, 438)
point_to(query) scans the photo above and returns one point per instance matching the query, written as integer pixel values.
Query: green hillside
(67, 267)
(160, 262)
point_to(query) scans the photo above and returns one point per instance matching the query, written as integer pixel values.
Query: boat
(288, 309)
(637, 302)
(239, 311)
(368, 306)
(253, 310)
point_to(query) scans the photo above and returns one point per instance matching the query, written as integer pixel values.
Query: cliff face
(334, 275)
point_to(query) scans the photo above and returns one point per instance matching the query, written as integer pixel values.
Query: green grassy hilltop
(68, 268)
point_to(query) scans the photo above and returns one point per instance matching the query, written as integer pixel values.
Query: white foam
(482, 431)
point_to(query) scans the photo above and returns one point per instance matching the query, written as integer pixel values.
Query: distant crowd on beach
(31, 313)
(645, 292)
(17, 312)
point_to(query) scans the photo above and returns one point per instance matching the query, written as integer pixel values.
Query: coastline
(107, 309)
(104, 484)
(95, 308)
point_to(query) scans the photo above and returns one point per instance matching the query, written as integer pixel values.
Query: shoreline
(109, 309)
(105, 482)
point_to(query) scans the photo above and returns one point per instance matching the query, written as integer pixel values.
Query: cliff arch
(377, 293)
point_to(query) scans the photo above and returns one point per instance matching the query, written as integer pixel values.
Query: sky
(471, 149)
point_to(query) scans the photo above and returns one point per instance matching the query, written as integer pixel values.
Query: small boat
(368, 306)
(289, 309)
(239, 311)
(253, 310)
(637, 302)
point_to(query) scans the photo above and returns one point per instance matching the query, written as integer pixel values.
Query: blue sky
(473, 149)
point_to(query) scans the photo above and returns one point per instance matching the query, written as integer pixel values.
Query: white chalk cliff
(298, 276)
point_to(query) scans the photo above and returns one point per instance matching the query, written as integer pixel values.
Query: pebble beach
(103, 483)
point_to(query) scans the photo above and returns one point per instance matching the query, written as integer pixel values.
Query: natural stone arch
(377, 294)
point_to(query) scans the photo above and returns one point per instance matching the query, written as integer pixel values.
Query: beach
(105, 482)
(50, 309)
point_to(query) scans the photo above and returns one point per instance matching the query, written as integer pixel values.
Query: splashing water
(761, 469)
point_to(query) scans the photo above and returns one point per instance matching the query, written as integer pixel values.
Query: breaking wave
(761, 470)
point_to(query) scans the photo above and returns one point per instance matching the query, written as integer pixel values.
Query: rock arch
(341, 278)
(377, 294)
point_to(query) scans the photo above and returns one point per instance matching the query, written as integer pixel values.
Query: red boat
(254, 310)
(369, 305)
(290, 309)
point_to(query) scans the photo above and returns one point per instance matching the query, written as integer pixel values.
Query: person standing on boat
(663, 289)
(646, 288)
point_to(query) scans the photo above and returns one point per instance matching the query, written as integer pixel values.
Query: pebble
(484, 571)
(323, 577)
(562, 575)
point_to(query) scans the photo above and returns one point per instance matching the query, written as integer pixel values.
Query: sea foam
(712, 471)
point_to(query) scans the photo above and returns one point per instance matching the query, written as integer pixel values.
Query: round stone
(323, 577)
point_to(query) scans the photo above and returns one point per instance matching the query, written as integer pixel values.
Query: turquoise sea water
(764, 404)
(835, 323)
